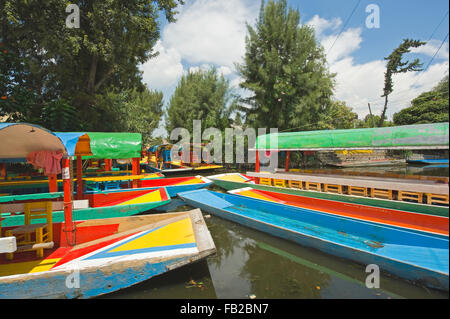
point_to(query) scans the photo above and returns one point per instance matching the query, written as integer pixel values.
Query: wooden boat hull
(413, 221)
(236, 181)
(413, 256)
(108, 207)
(129, 251)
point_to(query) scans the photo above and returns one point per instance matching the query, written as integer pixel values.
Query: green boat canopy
(420, 136)
(110, 145)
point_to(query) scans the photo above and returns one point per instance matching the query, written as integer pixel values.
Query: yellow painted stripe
(176, 233)
(207, 167)
(191, 181)
(27, 267)
(252, 194)
(147, 198)
(232, 178)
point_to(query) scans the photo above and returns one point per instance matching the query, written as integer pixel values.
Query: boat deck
(434, 191)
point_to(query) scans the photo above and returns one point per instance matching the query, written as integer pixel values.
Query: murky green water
(249, 262)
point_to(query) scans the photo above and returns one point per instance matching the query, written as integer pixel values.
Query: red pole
(68, 222)
(257, 162)
(3, 170)
(52, 184)
(135, 171)
(286, 168)
(79, 178)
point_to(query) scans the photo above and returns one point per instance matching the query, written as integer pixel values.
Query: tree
(286, 70)
(367, 122)
(338, 116)
(80, 64)
(396, 65)
(200, 95)
(428, 107)
(129, 111)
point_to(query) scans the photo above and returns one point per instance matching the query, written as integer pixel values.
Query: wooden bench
(34, 236)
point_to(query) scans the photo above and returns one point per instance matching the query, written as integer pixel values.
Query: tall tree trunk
(383, 114)
(92, 73)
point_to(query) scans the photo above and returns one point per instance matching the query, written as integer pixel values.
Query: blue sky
(212, 32)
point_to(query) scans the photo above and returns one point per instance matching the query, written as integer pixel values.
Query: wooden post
(3, 170)
(79, 178)
(288, 155)
(257, 162)
(52, 183)
(108, 164)
(68, 222)
(135, 171)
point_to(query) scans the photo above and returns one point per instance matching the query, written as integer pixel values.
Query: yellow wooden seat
(332, 188)
(295, 184)
(311, 186)
(34, 236)
(279, 182)
(358, 191)
(436, 199)
(381, 193)
(265, 181)
(410, 196)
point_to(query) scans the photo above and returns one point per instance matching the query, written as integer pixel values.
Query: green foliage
(59, 116)
(338, 116)
(396, 65)
(53, 73)
(367, 122)
(285, 68)
(428, 107)
(201, 95)
(128, 111)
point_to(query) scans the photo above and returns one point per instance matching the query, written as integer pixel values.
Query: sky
(212, 33)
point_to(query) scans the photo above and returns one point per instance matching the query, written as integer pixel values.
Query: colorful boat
(232, 181)
(415, 256)
(407, 220)
(94, 206)
(160, 160)
(109, 255)
(429, 161)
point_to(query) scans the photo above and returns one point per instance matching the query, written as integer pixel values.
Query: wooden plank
(8, 244)
(363, 181)
(56, 206)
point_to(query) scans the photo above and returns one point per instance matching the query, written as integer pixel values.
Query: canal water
(252, 264)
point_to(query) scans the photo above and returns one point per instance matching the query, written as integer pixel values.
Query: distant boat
(383, 162)
(415, 256)
(429, 161)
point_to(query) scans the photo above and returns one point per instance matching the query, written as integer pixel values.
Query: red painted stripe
(165, 181)
(83, 251)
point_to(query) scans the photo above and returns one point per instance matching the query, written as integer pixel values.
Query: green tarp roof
(420, 136)
(111, 145)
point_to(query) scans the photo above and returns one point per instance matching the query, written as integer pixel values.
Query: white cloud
(164, 70)
(431, 47)
(361, 83)
(211, 31)
(320, 24)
